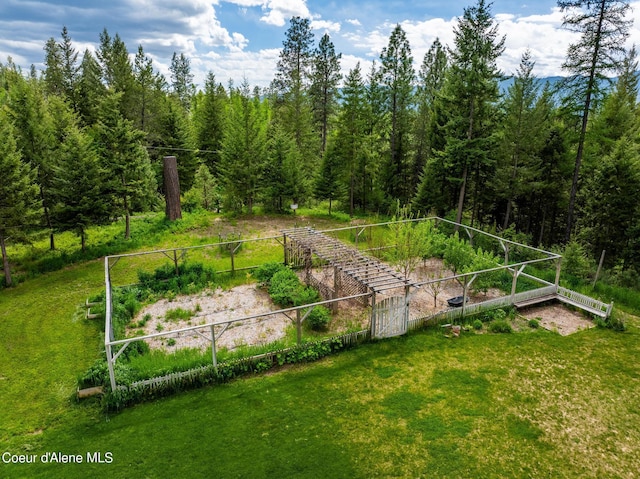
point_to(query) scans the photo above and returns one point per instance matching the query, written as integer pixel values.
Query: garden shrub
(98, 374)
(477, 325)
(613, 322)
(534, 323)
(319, 318)
(305, 295)
(284, 287)
(500, 326)
(265, 272)
(190, 279)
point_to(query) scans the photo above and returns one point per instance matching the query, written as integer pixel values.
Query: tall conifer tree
(603, 28)
(19, 201)
(398, 80)
(471, 95)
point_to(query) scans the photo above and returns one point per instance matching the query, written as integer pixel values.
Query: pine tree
(77, 186)
(117, 71)
(430, 81)
(209, 122)
(545, 202)
(471, 92)
(611, 201)
(426, 140)
(70, 69)
(33, 135)
(350, 138)
(604, 29)
(398, 78)
(130, 181)
(283, 178)
(19, 202)
(176, 135)
(291, 86)
(328, 186)
(616, 117)
(90, 89)
(182, 79)
(521, 140)
(244, 147)
(148, 94)
(53, 72)
(206, 192)
(325, 78)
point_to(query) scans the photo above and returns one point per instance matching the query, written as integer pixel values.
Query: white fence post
(213, 347)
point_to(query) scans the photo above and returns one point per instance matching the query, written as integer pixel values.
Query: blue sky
(237, 39)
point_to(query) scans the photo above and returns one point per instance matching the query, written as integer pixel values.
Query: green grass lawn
(511, 405)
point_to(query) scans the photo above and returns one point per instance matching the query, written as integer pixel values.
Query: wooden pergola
(301, 244)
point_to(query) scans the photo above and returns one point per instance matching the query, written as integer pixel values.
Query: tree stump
(172, 188)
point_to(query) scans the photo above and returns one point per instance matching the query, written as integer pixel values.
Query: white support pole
(470, 235)
(112, 374)
(505, 248)
(108, 334)
(516, 274)
(599, 267)
(558, 268)
(373, 314)
(213, 348)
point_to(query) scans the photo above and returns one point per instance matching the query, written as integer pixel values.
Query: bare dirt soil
(249, 300)
(556, 317)
(213, 307)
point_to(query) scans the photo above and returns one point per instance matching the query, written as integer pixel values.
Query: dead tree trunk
(172, 188)
(5, 262)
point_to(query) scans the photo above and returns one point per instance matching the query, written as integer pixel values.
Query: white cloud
(192, 23)
(354, 22)
(246, 3)
(278, 12)
(258, 68)
(325, 25)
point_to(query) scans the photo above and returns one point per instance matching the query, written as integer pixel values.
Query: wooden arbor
(353, 273)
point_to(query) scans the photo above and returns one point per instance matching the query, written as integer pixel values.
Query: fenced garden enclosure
(373, 280)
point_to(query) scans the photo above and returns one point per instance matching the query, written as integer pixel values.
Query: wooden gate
(390, 317)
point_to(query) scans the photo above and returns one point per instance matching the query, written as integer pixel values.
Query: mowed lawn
(531, 404)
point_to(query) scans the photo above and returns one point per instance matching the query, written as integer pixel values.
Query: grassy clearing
(534, 405)
(488, 405)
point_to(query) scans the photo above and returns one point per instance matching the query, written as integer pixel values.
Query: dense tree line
(84, 138)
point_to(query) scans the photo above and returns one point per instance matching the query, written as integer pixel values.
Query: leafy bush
(500, 326)
(98, 374)
(284, 287)
(190, 278)
(265, 272)
(305, 295)
(319, 318)
(477, 325)
(492, 315)
(534, 323)
(613, 322)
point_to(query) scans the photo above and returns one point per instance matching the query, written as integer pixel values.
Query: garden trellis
(352, 274)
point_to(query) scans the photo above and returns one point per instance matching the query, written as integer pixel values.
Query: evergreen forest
(82, 140)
